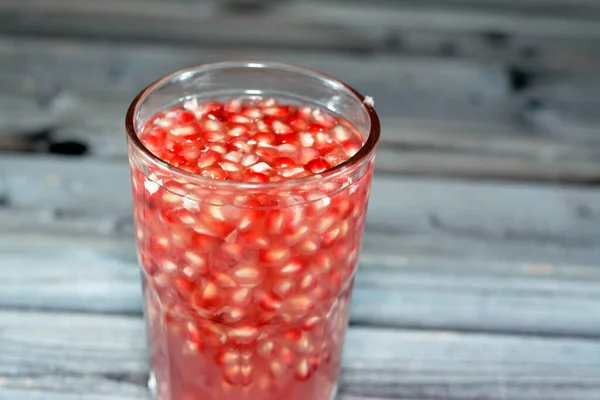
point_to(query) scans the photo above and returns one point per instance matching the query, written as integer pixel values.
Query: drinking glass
(247, 286)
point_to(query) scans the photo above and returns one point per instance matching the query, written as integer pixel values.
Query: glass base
(154, 392)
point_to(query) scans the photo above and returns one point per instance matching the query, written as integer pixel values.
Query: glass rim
(333, 172)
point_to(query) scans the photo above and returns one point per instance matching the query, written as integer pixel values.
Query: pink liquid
(247, 294)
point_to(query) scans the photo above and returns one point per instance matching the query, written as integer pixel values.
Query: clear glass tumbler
(247, 286)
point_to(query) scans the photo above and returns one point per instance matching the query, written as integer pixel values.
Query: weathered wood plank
(557, 213)
(105, 356)
(397, 285)
(528, 35)
(454, 118)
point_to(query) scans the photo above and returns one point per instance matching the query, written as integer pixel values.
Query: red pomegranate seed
(214, 173)
(248, 275)
(277, 111)
(292, 268)
(233, 314)
(293, 335)
(317, 165)
(268, 302)
(241, 297)
(207, 297)
(214, 136)
(266, 349)
(351, 147)
(255, 177)
(217, 147)
(229, 166)
(287, 356)
(308, 246)
(281, 127)
(283, 288)
(228, 357)
(303, 370)
(243, 335)
(264, 137)
(185, 117)
(277, 369)
(183, 130)
(311, 322)
(283, 162)
(208, 158)
(275, 255)
(300, 304)
(251, 112)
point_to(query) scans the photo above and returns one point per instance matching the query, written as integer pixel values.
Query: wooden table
(480, 272)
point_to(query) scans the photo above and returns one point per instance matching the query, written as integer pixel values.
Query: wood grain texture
(453, 118)
(104, 356)
(528, 33)
(558, 213)
(412, 274)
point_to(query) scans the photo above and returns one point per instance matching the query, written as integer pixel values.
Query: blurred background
(485, 210)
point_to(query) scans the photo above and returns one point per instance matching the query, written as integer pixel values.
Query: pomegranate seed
(283, 288)
(268, 302)
(208, 297)
(194, 332)
(249, 275)
(194, 347)
(249, 159)
(300, 304)
(233, 250)
(255, 177)
(183, 130)
(288, 149)
(208, 158)
(260, 167)
(253, 113)
(292, 172)
(241, 297)
(275, 221)
(277, 369)
(162, 280)
(243, 335)
(351, 147)
(307, 155)
(308, 246)
(275, 255)
(287, 356)
(266, 349)
(292, 268)
(292, 335)
(283, 162)
(229, 166)
(214, 173)
(233, 156)
(212, 124)
(308, 283)
(303, 370)
(240, 119)
(311, 322)
(278, 111)
(217, 147)
(224, 280)
(233, 314)
(317, 165)
(264, 137)
(229, 357)
(323, 119)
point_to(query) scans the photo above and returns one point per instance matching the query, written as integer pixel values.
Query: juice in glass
(250, 186)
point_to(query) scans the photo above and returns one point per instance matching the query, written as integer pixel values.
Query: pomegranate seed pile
(247, 293)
